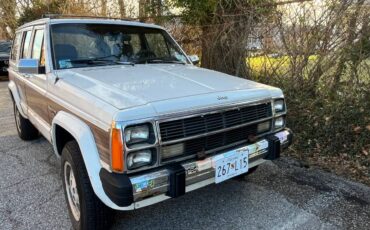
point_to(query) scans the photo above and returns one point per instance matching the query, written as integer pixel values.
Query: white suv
(131, 117)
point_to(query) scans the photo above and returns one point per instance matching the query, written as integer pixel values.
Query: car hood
(164, 87)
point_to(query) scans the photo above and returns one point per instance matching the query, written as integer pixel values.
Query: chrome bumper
(153, 187)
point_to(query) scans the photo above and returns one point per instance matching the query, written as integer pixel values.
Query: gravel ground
(279, 195)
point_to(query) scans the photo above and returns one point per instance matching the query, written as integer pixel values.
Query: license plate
(235, 162)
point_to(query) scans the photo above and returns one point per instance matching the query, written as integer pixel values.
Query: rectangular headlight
(279, 122)
(137, 134)
(279, 106)
(139, 159)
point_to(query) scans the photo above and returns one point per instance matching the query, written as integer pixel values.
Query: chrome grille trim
(206, 133)
(214, 132)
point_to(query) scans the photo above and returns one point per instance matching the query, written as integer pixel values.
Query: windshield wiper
(159, 60)
(88, 61)
(114, 61)
(100, 60)
(125, 63)
(165, 61)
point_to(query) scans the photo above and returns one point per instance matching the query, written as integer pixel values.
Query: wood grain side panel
(37, 102)
(102, 137)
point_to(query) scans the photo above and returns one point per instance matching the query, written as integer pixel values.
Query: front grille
(188, 127)
(218, 140)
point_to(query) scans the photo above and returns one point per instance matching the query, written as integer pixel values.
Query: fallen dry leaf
(368, 127)
(357, 129)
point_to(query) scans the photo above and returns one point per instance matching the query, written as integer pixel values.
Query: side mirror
(30, 66)
(194, 59)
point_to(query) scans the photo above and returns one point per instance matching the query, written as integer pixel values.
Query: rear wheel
(86, 211)
(26, 130)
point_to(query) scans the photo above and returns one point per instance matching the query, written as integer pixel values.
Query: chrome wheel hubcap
(71, 190)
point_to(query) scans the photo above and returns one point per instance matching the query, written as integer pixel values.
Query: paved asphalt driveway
(279, 195)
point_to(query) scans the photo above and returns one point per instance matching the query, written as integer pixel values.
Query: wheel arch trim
(14, 94)
(81, 132)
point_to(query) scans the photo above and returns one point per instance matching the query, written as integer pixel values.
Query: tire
(26, 130)
(86, 211)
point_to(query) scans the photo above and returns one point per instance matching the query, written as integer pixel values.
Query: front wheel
(85, 209)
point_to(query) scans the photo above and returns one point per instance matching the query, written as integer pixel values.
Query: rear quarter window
(26, 43)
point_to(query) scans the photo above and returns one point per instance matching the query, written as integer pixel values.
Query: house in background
(264, 38)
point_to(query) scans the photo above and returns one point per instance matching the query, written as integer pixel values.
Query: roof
(88, 20)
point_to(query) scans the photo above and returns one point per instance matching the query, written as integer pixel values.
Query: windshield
(81, 45)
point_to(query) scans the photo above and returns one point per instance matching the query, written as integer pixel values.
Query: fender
(14, 91)
(85, 139)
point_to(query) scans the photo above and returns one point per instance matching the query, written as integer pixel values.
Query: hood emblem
(222, 98)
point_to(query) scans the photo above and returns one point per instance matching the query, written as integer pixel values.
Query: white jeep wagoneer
(132, 119)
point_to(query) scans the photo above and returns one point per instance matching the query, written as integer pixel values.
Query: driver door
(36, 84)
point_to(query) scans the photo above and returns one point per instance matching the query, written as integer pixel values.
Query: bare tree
(122, 9)
(103, 7)
(8, 20)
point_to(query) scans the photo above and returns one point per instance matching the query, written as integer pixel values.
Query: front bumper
(174, 180)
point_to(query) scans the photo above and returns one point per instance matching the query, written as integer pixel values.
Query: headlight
(172, 150)
(279, 106)
(139, 158)
(263, 127)
(136, 134)
(279, 122)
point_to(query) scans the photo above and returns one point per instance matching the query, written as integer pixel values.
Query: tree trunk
(206, 48)
(350, 37)
(142, 9)
(223, 43)
(104, 7)
(122, 10)
(8, 20)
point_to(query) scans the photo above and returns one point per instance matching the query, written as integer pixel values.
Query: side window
(15, 47)
(157, 44)
(26, 43)
(38, 47)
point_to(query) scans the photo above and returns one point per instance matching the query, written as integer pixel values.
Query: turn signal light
(117, 150)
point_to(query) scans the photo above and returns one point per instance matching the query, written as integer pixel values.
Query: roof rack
(55, 16)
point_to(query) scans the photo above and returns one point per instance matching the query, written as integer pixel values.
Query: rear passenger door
(36, 84)
(19, 50)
